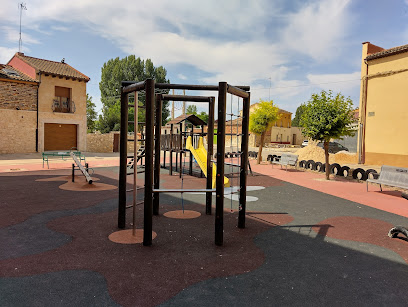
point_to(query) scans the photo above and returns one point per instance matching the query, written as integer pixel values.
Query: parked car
(334, 147)
(305, 143)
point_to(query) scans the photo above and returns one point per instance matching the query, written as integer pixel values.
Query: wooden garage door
(59, 136)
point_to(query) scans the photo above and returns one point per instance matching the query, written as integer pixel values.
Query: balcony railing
(67, 106)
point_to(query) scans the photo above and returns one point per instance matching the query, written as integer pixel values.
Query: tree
(261, 119)
(127, 69)
(327, 117)
(91, 114)
(191, 109)
(298, 115)
(204, 116)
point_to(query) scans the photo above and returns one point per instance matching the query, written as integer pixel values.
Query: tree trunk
(260, 147)
(326, 155)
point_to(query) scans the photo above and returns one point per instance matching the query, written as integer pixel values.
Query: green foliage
(298, 115)
(264, 115)
(261, 119)
(326, 116)
(127, 69)
(204, 116)
(91, 114)
(191, 109)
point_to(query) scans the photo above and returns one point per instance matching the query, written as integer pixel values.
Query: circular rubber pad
(179, 214)
(127, 237)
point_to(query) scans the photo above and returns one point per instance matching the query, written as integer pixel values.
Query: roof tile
(388, 52)
(53, 68)
(9, 72)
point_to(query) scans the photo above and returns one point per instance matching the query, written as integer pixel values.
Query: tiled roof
(196, 121)
(388, 52)
(53, 68)
(9, 72)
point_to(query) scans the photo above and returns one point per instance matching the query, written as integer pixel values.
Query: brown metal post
(244, 162)
(123, 159)
(171, 150)
(181, 148)
(191, 154)
(157, 149)
(219, 204)
(165, 149)
(210, 149)
(148, 197)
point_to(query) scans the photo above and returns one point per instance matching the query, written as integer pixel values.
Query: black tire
(227, 154)
(318, 166)
(345, 171)
(302, 163)
(269, 158)
(359, 174)
(310, 164)
(335, 169)
(323, 169)
(371, 174)
(393, 233)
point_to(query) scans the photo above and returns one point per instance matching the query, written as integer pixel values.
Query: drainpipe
(362, 160)
(36, 130)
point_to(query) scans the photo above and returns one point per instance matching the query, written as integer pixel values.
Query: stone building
(42, 106)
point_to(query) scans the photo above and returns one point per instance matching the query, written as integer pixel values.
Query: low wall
(97, 142)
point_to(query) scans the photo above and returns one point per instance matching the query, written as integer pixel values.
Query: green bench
(46, 155)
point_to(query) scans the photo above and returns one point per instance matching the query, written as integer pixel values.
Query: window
(62, 100)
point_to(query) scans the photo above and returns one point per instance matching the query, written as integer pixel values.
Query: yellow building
(281, 132)
(58, 115)
(383, 106)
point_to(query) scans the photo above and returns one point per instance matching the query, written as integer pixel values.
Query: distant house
(42, 106)
(281, 130)
(383, 106)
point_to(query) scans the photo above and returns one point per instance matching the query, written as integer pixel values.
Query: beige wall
(386, 113)
(97, 142)
(46, 94)
(17, 131)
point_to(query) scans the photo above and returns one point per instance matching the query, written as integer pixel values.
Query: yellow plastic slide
(200, 154)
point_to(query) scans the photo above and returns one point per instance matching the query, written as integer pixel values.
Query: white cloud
(182, 77)
(12, 35)
(6, 54)
(226, 39)
(336, 82)
(318, 29)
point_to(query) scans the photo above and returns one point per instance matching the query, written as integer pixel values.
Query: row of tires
(337, 169)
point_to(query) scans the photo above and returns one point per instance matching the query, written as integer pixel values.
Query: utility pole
(184, 103)
(21, 7)
(172, 108)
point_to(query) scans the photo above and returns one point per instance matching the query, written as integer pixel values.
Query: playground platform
(306, 242)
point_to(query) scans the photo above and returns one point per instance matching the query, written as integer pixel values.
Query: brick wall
(15, 95)
(17, 131)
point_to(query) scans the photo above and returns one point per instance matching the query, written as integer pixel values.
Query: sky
(286, 50)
